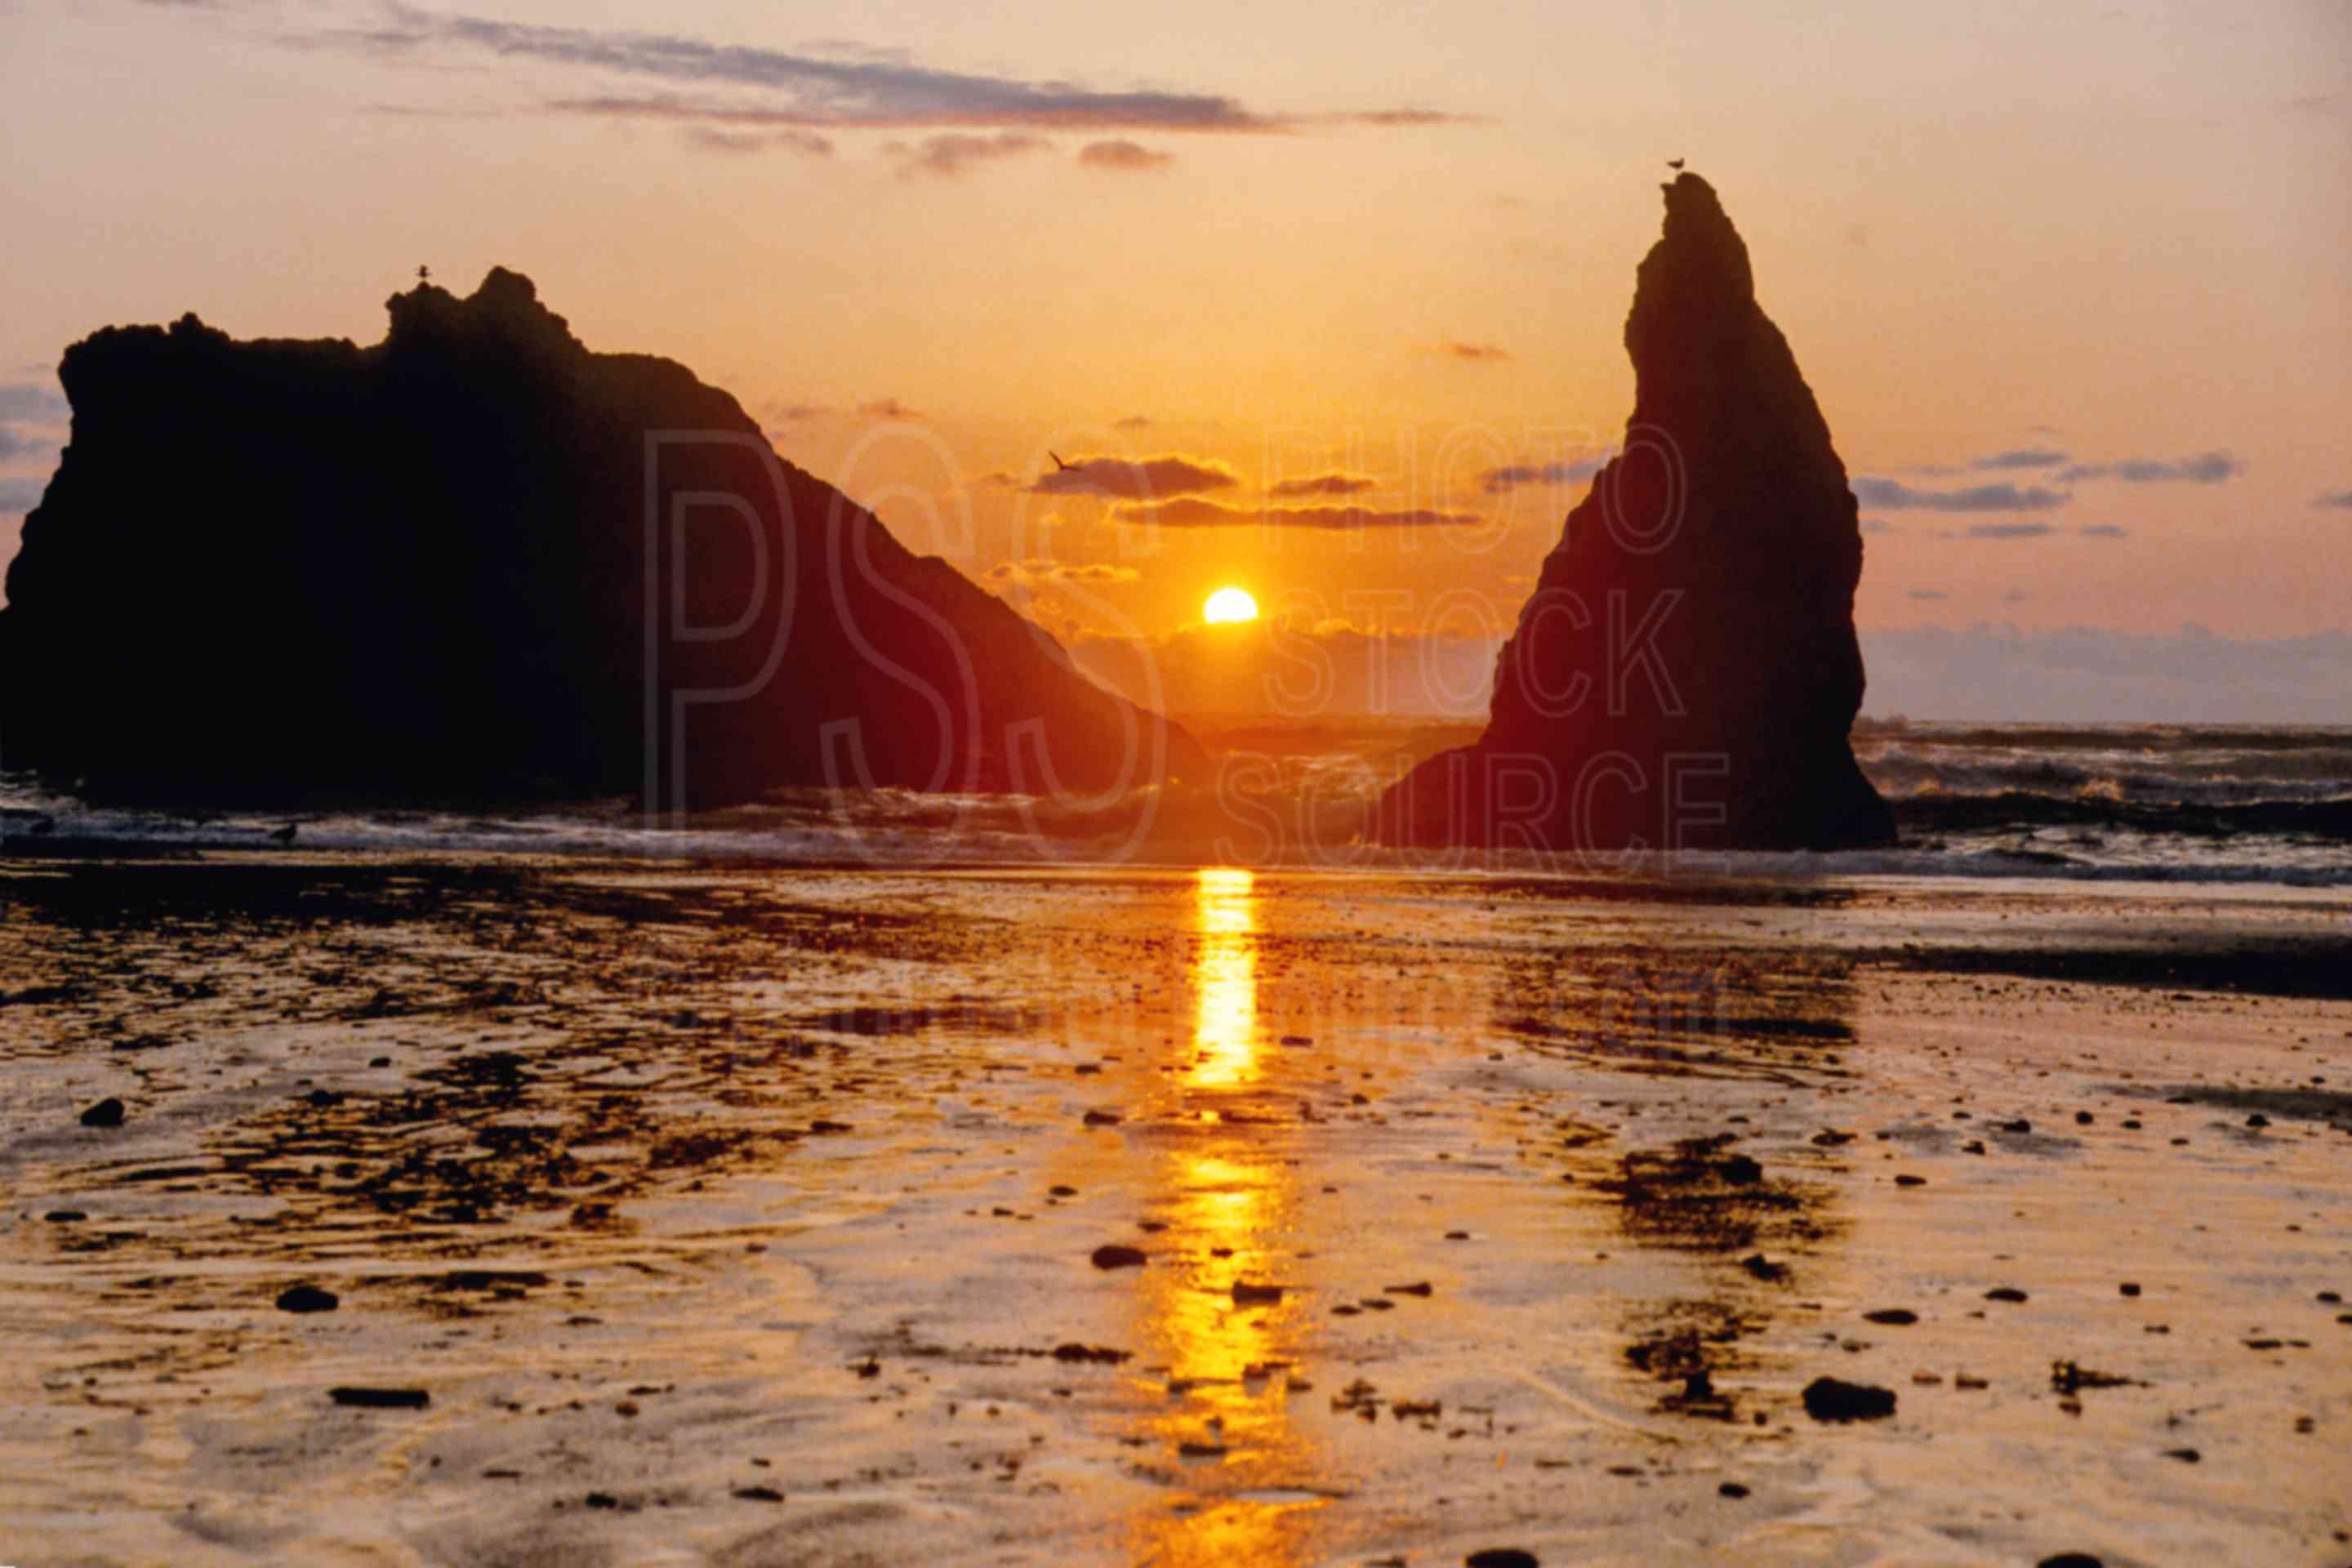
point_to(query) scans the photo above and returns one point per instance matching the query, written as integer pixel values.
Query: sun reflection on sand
(1230, 1197)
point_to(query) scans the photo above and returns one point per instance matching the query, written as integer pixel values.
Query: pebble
(307, 1299)
(2004, 1293)
(107, 1112)
(1832, 1399)
(2128, 1287)
(1895, 1315)
(1732, 1489)
(1114, 1256)
(2071, 1560)
(381, 1398)
(1500, 1557)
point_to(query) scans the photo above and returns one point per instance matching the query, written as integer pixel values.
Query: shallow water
(735, 1215)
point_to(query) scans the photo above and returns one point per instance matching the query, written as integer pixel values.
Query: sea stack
(1685, 673)
(479, 560)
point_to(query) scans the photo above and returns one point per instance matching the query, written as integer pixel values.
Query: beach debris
(1908, 1180)
(1245, 1294)
(1114, 1254)
(107, 1112)
(1101, 1119)
(1731, 1490)
(1501, 1557)
(1763, 1268)
(1898, 1316)
(2128, 1287)
(759, 1494)
(1833, 1399)
(380, 1398)
(2068, 1377)
(2186, 1456)
(1418, 1287)
(64, 1217)
(2004, 1293)
(2071, 1560)
(1075, 1352)
(307, 1299)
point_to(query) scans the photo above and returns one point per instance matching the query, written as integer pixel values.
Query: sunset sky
(2070, 283)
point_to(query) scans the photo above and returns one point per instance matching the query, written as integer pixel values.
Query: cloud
(2206, 468)
(2338, 499)
(1192, 512)
(2105, 531)
(2008, 529)
(1133, 422)
(1032, 573)
(1499, 482)
(793, 412)
(788, 139)
(32, 400)
(13, 444)
(1123, 157)
(1894, 496)
(1929, 594)
(1322, 485)
(953, 155)
(1145, 480)
(1876, 525)
(818, 88)
(886, 408)
(2020, 457)
(1474, 352)
(20, 495)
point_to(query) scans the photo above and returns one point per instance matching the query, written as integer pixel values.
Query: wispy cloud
(1034, 573)
(886, 408)
(952, 154)
(1929, 594)
(1498, 481)
(2009, 530)
(1133, 422)
(32, 400)
(1892, 494)
(1194, 513)
(1322, 485)
(2105, 531)
(836, 85)
(1476, 353)
(1122, 481)
(19, 495)
(785, 139)
(2205, 469)
(2342, 500)
(2018, 458)
(1123, 157)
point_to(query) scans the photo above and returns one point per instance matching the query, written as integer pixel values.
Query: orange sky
(1392, 250)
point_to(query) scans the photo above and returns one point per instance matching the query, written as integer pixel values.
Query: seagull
(1673, 162)
(1058, 464)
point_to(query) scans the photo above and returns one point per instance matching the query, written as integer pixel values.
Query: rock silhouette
(477, 560)
(1686, 671)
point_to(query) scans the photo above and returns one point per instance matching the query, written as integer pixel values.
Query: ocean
(2219, 804)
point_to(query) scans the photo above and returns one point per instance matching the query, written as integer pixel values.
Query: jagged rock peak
(504, 309)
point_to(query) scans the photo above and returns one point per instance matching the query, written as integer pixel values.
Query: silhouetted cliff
(476, 558)
(1686, 671)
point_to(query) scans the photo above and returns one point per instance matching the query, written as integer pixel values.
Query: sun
(1229, 604)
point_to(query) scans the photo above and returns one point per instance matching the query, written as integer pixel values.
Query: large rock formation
(1685, 672)
(477, 559)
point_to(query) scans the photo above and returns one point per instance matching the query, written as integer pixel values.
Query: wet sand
(732, 1216)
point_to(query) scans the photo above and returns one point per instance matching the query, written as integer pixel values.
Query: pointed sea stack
(479, 561)
(1687, 671)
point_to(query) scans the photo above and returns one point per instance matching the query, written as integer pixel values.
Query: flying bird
(1058, 464)
(1673, 162)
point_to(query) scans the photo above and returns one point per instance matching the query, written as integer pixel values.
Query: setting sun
(1229, 604)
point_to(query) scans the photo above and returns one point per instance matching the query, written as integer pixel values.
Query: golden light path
(1233, 1201)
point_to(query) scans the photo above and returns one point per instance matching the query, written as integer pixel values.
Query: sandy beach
(710, 1215)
